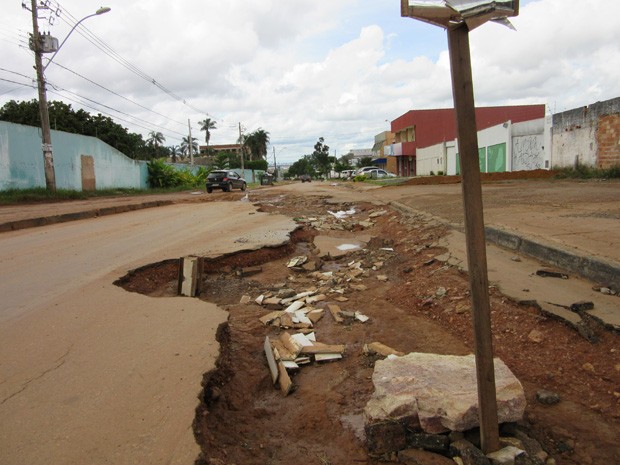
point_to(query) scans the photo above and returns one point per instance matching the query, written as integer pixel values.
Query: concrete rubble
(424, 408)
(438, 393)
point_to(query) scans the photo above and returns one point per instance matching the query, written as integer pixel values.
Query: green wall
(21, 161)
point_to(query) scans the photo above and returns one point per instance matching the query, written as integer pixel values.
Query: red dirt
(245, 420)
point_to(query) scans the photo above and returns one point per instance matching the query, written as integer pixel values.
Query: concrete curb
(594, 269)
(83, 215)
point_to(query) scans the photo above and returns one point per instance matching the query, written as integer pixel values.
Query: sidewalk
(15, 217)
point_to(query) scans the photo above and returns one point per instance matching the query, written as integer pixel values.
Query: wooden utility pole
(241, 151)
(467, 134)
(191, 144)
(46, 136)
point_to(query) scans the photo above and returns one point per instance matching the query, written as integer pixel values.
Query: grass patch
(41, 194)
(580, 171)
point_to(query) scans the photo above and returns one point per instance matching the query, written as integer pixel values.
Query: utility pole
(46, 136)
(191, 148)
(275, 167)
(241, 150)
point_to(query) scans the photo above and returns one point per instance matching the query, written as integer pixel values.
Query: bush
(360, 178)
(581, 171)
(163, 175)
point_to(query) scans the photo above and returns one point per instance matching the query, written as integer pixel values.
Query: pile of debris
(295, 313)
(342, 220)
(287, 352)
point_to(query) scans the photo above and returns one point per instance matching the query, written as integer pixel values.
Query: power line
(108, 50)
(60, 89)
(102, 112)
(115, 93)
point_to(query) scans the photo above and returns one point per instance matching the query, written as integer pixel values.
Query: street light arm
(100, 11)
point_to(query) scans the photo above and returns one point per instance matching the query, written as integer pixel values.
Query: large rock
(438, 393)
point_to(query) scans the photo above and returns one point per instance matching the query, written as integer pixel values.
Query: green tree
(155, 138)
(255, 144)
(321, 159)
(304, 165)
(207, 125)
(221, 161)
(364, 161)
(174, 151)
(343, 163)
(64, 118)
(185, 145)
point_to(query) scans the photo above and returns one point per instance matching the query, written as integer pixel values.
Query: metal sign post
(459, 17)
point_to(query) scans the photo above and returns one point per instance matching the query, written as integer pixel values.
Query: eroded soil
(423, 306)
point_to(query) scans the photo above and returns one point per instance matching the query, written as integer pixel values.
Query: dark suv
(225, 180)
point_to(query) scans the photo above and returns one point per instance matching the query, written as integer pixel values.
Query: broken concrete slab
(505, 456)
(271, 360)
(335, 311)
(190, 276)
(438, 392)
(297, 261)
(270, 317)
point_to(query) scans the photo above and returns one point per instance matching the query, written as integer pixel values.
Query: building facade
(418, 129)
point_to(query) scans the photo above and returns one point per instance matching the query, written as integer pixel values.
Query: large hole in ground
(244, 419)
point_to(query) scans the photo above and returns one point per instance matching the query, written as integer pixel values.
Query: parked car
(346, 174)
(305, 178)
(364, 169)
(225, 180)
(378, 173)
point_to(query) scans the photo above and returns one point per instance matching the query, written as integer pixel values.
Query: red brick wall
(608, 141)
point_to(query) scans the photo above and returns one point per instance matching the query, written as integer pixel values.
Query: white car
(378, 173)
(364, 169)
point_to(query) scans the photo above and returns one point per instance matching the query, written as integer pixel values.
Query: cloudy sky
(301, 69)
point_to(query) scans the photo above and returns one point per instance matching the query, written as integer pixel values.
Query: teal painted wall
(21, 161)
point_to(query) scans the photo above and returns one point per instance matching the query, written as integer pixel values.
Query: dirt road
(420, 303)
(93, 374)
(416, 301)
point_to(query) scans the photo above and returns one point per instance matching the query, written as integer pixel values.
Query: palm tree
(155, 139)
(185, 145)
(206, 126)
(174, 152)
(261, 141)
(256, 143)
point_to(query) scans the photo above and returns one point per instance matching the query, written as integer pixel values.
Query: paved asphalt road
(92, 374)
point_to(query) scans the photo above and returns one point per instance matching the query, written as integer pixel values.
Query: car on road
(225, 180)
(378, 173)
(305, 178)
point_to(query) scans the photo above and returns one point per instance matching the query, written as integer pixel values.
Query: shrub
(581, 171)
(359, 178)
(163, 175)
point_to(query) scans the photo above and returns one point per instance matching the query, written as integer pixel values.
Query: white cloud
(331, 68)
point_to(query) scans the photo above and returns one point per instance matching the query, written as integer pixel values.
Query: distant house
(227, 148)
(419, 129)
